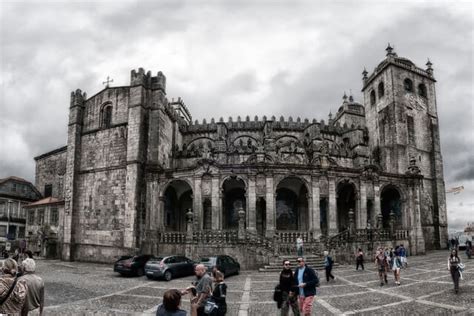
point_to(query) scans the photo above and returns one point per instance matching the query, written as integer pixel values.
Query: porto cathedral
(138, 175)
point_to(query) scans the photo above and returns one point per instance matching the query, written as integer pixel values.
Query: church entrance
(390, 201)
(261, 216)
(323, 215)
(346, 200)
(207, 214)
(291, 205)
(178, 200)
(233, 200)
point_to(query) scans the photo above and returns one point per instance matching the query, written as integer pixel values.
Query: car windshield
(207, 260)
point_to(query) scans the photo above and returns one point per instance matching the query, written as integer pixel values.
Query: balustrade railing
(291, 236)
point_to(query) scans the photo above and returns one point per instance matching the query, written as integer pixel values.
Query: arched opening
(207, 214)
(323, 213)
(107, 116)
(233, 200)
(422, 90)
(346, 200)
(408, 85)
(372, 97)
(178, 201)
(381, 90)
(261, 216)
(291, 205)
(390, 201)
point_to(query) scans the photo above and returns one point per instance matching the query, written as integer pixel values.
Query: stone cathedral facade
(139, 175)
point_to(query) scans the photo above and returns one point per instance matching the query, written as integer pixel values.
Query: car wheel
(140, 272)
(168, 275)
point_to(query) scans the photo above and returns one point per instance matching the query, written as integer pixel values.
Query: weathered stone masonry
(142, 176)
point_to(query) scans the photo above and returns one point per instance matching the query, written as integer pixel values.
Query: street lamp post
(10, 202)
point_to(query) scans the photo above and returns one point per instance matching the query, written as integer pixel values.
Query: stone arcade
(142, 176)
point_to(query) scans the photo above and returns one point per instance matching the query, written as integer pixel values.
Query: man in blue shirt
(307, 280)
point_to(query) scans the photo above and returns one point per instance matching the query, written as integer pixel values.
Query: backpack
(277, 297)
(317, 279)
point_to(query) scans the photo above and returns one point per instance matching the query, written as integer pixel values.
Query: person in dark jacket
(219, 294)
(328, 263)
(289, 288)
(306, 279)
(360, 259)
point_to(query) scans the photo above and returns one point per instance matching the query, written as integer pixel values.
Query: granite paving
(76, 288)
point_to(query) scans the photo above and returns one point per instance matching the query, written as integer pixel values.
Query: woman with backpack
(453, 266)
(219, 295)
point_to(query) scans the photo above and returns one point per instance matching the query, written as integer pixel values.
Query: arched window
(422, 90)
(372, 97)
(408, 85)
(106, 116)
(381, 89)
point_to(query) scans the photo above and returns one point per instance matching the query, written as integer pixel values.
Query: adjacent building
(15, 193)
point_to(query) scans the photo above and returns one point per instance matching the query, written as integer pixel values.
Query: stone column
(332, 221)
(76, 110)
(316, 211)
(241, 231)
(189, 225)
(197, 203)
(160, 214)
(351, 221)
(309, 218)
(363, 206)
(377, 206)
(216, 203)
(418, 240)
(270, 211)
(252, 203)
(152, 204)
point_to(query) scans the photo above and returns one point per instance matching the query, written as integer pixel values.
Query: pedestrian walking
(453, 267)
(328, 264)
(299, 246)
(171, 304)
(12, 290)
(359, 259)
(381, 265)
(403, 256)
(396, 265)
(219, 294)
(203, 289)
(289, 289)
(35, 289)
(468, 249)
(307, 280)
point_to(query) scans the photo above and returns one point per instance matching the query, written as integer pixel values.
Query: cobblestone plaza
(75, 288)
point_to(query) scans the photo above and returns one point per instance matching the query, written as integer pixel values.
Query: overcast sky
(228, 59)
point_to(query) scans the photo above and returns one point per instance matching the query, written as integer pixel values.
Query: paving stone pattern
(74, 288)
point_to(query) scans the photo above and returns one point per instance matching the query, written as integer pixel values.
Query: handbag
(461, 267)
(210, 306)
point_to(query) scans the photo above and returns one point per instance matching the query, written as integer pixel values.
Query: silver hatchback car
(169, 267)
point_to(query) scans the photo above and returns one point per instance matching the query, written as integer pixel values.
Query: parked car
(131, 265)
(223, 263)
(169, 267)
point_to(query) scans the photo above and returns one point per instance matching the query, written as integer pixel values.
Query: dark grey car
(223, 263)
(169, 267)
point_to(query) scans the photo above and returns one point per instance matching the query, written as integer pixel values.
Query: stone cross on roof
(108, 81)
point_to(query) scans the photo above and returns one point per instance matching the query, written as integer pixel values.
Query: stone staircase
(276, 263)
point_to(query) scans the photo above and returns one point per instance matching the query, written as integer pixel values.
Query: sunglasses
(286, 264)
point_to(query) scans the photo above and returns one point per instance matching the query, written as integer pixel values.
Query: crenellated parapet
(139, 77)
(78, 98)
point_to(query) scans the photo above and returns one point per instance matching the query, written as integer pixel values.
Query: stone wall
(51, 169)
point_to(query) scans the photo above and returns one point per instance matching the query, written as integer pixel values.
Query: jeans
(455, 275)
(328, 273)
(288, 302)
(360, 263)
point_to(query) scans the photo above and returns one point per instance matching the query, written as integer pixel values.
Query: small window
(14, 187)
(31, 217)
(3, 231)
(40, 217)
(53, 216)
(422, 90)
(408, 85)
(372, 97)
(48, 190)
(107, 116)
(381, 89)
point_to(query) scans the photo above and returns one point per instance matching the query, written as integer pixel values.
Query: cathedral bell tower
(402, 119)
